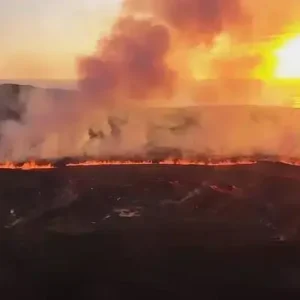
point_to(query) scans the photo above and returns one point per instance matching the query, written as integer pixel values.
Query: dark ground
(169, 232)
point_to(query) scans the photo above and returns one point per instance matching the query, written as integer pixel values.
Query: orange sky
(42, 39)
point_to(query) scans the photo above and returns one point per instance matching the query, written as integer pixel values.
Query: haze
(41, 39)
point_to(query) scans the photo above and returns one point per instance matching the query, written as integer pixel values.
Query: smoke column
(139, 59)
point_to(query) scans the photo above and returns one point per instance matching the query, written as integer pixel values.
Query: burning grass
(39, 165)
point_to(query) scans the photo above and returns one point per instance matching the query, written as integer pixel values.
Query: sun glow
(288, 60)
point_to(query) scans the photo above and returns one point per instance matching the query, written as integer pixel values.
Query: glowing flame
(25, 166)
(209, 163)
(165, 162)
(106, 163)
(35, 166)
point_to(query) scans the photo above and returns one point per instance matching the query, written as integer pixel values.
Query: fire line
(34, 165)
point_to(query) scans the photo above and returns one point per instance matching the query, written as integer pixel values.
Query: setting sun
(288, 62)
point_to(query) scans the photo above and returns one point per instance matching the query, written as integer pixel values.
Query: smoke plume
(139, 59)
(160, 54)
(194, 21)
(130, 64)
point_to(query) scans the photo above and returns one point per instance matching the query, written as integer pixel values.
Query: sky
(41, 39)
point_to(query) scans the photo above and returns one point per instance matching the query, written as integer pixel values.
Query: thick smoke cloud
(129, 64)
(139, 59)
(197, 20)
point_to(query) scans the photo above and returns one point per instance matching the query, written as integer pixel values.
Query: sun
(288, 60)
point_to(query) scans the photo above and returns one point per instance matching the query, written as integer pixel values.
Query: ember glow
(106, 163)
(35, 166)
(168, 162)
(164, 162)
(25, 166)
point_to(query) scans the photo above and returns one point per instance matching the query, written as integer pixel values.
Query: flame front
(35, 166)
(31, 165)
(165, 162)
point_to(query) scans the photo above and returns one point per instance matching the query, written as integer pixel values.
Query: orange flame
(107, 163)
(34, 165)
(209, 163)
(165, 162)
(25, 166)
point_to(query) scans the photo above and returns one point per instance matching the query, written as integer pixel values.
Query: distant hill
(13, 98)
(196, 131)
(44, 83)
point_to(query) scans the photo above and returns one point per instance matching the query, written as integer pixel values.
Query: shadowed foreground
(111, 232)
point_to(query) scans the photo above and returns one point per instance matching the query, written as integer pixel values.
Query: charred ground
(163, 230)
